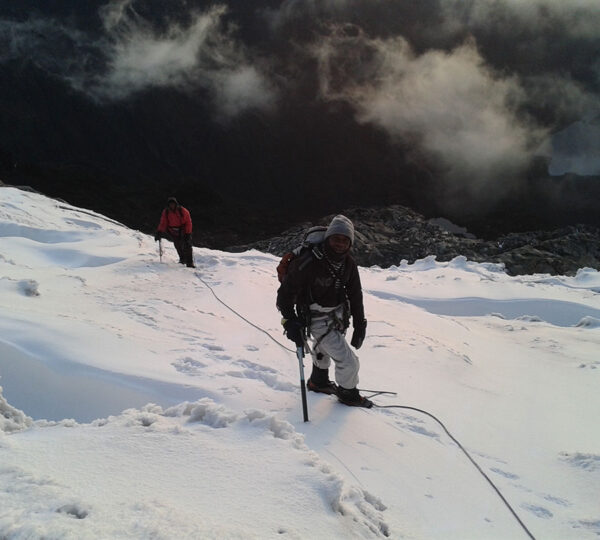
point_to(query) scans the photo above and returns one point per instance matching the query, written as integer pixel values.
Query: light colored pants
(332, 345)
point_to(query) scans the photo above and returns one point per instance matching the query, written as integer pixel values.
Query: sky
(143, 399)
(478, 87)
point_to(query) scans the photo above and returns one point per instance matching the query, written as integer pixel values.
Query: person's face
(172, 206)
(339, 243)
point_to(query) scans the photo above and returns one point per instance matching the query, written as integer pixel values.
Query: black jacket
(311, 279)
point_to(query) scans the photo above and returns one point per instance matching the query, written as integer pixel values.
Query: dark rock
(252, 175)
(386, 236)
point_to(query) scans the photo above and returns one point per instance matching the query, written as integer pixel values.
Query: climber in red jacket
(176, 225)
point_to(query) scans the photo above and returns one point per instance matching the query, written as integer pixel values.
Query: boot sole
(365, 403)
(317, 390)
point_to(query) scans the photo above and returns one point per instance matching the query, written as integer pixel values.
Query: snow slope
(143, 399)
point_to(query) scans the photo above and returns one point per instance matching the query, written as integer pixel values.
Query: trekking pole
(300, 355)
(160, 249)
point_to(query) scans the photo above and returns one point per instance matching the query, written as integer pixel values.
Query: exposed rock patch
(385, 236)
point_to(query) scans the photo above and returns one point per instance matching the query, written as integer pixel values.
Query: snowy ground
(93, 328)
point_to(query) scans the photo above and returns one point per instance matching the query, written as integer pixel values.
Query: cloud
(577, 149)
(561, 93)
(200, 54)
(43, 42)
(139, 59)
(452, 106)
(575, 18)
(114, 13)
(291, 9)
(131, 55)
(241, 88)
(475, 86)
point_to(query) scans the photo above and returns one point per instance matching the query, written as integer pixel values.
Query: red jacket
(175, 222)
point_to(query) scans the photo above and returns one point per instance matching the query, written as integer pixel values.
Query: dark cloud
(202, 53)
(133, 55)
(480, 90)
(577, 19)
(449, 104)
(472, 91)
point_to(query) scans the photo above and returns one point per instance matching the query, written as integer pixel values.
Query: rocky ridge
(385, 236)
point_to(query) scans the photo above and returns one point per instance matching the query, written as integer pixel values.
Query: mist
(133, 55)
(473, 96)
(575, 19)
(202, 54)
(449, 105)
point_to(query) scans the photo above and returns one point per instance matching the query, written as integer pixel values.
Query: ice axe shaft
(300, 355)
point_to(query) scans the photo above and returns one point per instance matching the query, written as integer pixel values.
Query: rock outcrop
(385, 236)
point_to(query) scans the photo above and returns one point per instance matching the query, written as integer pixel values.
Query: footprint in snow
(230, 390)
(557, 500)
(491, 458)
(73, 511)
(590, 524)
(538, 511)
(29, 287)
(587, 462)
(215, 349)
(422, 431)
(508, 475)
(253, 365)
(270, 379)
(206, 260)
(211, 347)
(593, 365)
(189, 366)
(82, 223)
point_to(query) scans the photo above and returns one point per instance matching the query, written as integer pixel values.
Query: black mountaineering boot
(319, 382)
(352, 398)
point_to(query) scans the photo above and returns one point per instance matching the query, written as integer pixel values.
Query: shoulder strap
(305, 258)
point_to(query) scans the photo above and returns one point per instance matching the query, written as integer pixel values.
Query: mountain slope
(508, 364)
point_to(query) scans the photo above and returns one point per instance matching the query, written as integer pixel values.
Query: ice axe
(300, 355)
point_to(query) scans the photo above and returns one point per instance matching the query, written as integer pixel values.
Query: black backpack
(312, 237)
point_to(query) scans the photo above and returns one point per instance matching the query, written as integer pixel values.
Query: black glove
(187, 238)
(293, 331)
(358, 336)
(157, 236)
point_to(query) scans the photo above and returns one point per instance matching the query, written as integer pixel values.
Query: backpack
(313, 236)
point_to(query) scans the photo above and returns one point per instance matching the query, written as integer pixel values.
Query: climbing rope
(379, 392)
(466, 454)
(242, 317)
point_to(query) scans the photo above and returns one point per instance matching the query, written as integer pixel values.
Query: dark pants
(184, 249)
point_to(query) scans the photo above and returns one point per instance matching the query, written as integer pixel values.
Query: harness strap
(338, 276)
(334, 323)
